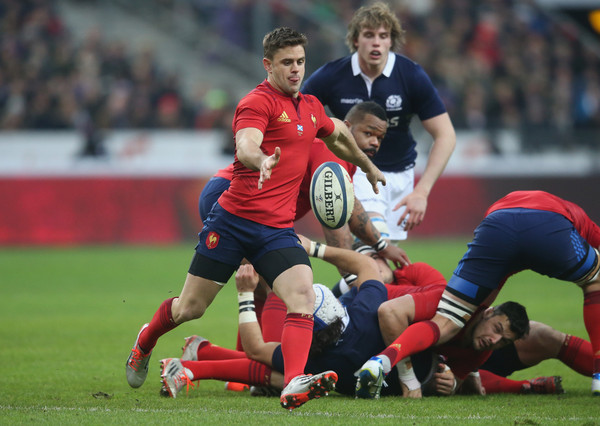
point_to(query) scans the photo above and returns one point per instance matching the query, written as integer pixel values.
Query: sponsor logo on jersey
(393, 103)
(300, 129)
(351, 101)
(212, 240)
(314, 120)
(284, 118)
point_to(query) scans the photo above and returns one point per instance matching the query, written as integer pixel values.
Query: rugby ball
(331, 195)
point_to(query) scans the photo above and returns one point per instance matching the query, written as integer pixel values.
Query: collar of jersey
(387, 71)
(283, 95)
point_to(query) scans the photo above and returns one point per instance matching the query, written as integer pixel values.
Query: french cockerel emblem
(212, 240)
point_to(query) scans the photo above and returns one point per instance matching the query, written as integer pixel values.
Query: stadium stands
(498, 65)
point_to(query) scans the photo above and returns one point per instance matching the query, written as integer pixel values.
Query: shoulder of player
(371, 286)
(407, 70)
(405, 61)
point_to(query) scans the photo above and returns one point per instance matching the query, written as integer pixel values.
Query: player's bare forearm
(342, 144)
(248, 142)
(340, 237)
(361, 225)
(444, 141)
(347, 260)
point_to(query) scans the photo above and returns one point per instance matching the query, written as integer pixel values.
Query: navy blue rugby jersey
(403, 89)
(360, 340)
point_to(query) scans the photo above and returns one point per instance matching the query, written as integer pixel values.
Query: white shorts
(398, 185)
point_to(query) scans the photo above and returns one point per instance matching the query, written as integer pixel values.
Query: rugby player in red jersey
(274, 126)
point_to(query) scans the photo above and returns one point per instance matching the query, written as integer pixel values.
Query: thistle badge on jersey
(212, 240)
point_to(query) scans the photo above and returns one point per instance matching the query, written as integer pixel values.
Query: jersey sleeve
(370, 293)
(418, 274)
(426, 97)
(252, 111)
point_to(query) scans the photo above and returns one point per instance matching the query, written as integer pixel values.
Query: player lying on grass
(541, 343)
(524, 230)
(357, 321)
(331, 317)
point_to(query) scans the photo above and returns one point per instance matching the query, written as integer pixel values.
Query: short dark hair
(326, 337)
(358, 111)
(517, 317)
(282, 37)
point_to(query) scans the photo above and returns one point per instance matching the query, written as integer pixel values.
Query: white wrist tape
(406, 374)
(446, 368)
(246, 307)
(381, 244)
(316, 249)
(349, 280)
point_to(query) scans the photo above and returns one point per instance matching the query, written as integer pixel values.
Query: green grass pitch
(69, 316)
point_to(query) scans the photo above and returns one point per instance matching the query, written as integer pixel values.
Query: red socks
(416, 338)
(498, 384)
(233, 370)
(273, 316)
(207, 351)
(577, 354)
(162, 322)
(295, 344)
(591, 319)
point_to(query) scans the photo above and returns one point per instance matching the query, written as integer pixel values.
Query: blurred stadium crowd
(498, 64)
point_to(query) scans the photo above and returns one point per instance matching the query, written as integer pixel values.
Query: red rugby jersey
(286, 122)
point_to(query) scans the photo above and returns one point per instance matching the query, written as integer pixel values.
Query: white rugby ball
(331, 195)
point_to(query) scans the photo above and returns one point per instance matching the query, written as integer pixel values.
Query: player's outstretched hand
(246, 278)
(396, 255)
(416, 205)
(374, 176)
(267, 166)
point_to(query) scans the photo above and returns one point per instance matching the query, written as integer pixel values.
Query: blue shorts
(226, 239)
(211, 193)
(511, 240)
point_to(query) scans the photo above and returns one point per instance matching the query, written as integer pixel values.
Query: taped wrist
(381, 244)
(350, 280)
(246, 307)
(316, 249)
(406, 374)
(446, 368)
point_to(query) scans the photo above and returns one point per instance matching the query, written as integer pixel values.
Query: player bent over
(524, 230)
